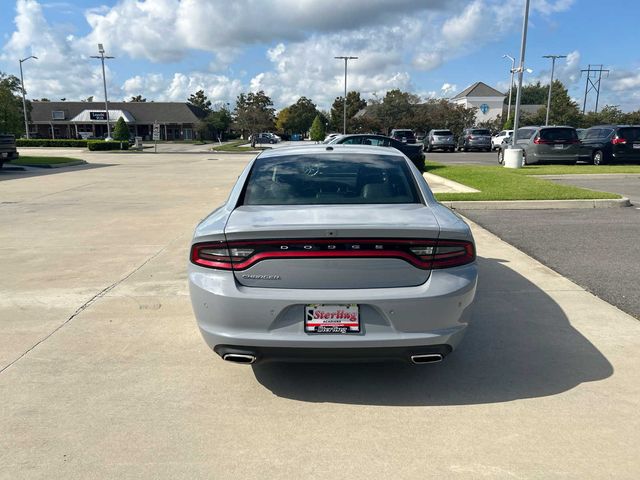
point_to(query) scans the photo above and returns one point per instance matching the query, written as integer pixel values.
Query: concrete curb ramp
(538, 204)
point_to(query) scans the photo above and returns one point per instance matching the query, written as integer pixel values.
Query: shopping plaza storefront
(178, 121)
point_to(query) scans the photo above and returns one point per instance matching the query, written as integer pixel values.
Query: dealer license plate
(331, 318)
(636, 145)
(5, 155)
(558, 146)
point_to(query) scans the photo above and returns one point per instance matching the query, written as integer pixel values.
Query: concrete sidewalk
(105, 374)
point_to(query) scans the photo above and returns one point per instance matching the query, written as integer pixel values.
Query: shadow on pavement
(15, 171)
(519, 345)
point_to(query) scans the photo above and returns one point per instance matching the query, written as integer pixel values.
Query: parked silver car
(545, 144)
(332, 252)
(440, 140)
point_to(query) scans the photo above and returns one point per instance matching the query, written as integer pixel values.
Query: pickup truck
(8, 149)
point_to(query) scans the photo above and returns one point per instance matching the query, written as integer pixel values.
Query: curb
(537, 204)
(587, 176)
(460, 188)
(52, 165)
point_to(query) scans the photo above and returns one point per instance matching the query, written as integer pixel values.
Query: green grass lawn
(576, 169)
(499, 183)
(24, 160)
(235, 147)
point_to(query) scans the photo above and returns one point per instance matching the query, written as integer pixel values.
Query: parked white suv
(497, 140)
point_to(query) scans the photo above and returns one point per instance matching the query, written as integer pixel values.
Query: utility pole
(102, 58)
(513, 61)
(346, 59)
(24, 102)
(520, 70)
(591, 85)
(553, 66)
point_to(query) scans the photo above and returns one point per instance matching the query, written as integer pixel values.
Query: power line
(593, 83)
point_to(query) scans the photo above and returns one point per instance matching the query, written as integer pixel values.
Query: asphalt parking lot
(596, 248)
(103, 373)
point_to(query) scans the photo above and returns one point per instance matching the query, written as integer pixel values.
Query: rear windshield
(480, 132)
(406, 133)
(443, 132)
(631, 134)
(553, 134)
(330, 179)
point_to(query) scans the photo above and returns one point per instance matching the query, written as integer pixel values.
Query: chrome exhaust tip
(426, 358)
(239, 358)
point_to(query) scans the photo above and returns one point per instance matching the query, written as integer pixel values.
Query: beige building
(488, 101)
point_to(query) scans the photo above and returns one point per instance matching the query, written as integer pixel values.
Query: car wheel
(598, 157)
(524, 159)
(429, 148)
(463, 149)
(500, 157)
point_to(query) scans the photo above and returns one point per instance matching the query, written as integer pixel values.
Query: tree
(317, 131)
(216, 124)
(121, 131)
(564, 111)
(397, 110)
(254, 112)
(200, 100)
(11, 115)
(354, 105)
(138, 98)
(300, 116)
(282, 119)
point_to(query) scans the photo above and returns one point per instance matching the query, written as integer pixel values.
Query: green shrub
(47, 142)
(95, 145)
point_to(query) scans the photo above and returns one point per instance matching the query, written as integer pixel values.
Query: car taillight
(470, 137)
(539, 141)
(446, 254)
(218, 255)
(423, 254)
(618, 141)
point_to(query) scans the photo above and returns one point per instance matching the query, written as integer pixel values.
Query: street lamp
(553, 66)
(24, 102)
(102, 57)
(346, 59)
(513, 61)
(520, 70)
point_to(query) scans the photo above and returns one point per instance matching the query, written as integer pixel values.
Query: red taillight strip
(438, 260)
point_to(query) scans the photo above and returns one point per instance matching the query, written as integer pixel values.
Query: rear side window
(631, 134)
(524, 133)
(443, 133)
(560, 134)
(330, 179)
(480, 132)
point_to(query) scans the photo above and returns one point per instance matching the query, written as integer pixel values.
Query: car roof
(327, 149)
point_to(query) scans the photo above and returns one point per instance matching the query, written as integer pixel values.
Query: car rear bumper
(264, 320)
(443, 145)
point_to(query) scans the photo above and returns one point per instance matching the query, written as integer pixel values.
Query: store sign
(156, 131)
(99, 116)
(484, 108)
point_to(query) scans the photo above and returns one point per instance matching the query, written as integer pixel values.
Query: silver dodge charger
(332, 253)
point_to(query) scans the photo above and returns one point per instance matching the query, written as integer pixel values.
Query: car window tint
(480, 132)
(441, 133)
(631, 134)
(524, 133)
(553, 134)
(330, 179)
(592, 133)
(352, 141)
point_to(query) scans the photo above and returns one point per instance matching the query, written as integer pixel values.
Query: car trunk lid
(331, 246)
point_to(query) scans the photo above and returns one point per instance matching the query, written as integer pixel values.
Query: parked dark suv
(8, 149)
(475, 139)
(403, 135)
(611, 143)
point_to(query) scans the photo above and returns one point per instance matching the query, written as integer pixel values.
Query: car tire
(463, 149)
(429, 148)
(598, 157)
(524, 159)
(500, 157)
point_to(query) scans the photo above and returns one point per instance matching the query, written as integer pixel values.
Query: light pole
(520, 70)
(24, 102)
(346, 59)
(553, 66)
(102, 57)
(513, 61)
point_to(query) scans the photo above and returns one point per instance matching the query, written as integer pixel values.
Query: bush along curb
(23, 142)
(99, 145)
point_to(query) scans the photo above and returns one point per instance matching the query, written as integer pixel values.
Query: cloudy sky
(168, 49)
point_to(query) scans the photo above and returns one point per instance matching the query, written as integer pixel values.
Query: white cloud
(448, 89)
